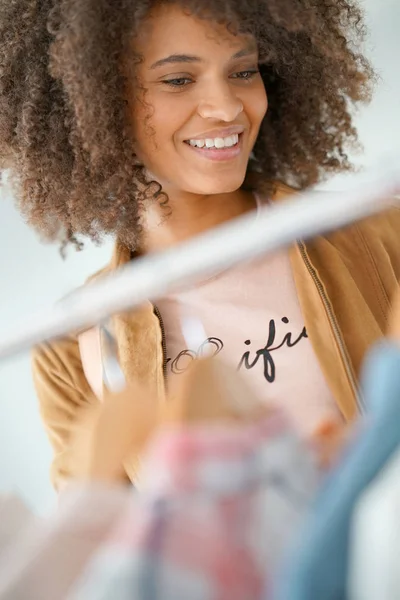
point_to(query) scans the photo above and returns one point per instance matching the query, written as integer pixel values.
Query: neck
(187, 215)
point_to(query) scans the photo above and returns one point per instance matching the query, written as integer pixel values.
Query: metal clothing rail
(245, 238)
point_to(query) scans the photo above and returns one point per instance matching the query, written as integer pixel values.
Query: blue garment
(318, 571)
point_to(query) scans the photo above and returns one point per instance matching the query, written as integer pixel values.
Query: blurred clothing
(218, 508)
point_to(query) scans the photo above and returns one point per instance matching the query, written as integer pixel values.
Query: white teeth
(231, 141)
(227, 142)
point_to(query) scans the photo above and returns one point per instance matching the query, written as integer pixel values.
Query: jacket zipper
(163, 341)
(335, 327)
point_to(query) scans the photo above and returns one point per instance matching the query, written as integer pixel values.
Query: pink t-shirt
(252, 319)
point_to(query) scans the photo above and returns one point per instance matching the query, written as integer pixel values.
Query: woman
(155, 121)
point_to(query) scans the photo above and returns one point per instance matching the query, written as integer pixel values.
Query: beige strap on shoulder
(90, 349)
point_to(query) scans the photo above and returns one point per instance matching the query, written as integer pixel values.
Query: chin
(218, 186)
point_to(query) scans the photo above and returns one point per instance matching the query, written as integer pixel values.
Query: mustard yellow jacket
(345, 283)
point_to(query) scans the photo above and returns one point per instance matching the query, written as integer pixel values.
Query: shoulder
(366, 253)
(60, 358)
(381, 230)
(57, 365)
(368, 249)
(379, 237)
(121, 256)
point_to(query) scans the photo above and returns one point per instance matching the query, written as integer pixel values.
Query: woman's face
(198, 108)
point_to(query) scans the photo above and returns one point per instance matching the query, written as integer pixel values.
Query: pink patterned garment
(216, 512)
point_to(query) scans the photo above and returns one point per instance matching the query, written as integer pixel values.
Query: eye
(249, 74)
(177, 81)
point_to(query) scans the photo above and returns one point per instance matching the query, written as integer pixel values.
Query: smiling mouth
(217, 149)
(215, 143)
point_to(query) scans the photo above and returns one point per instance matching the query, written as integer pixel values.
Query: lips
(217, 133)
(222, 150)
(218, 142)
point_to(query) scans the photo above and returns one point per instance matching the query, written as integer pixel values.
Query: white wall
(379, 123)
(33, 275)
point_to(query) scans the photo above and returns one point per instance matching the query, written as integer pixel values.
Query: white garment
(375, 538)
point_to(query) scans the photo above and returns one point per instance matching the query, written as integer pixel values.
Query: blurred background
(34, 276)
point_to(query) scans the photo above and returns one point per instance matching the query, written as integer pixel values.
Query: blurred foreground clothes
(334, 533)
(217, 508)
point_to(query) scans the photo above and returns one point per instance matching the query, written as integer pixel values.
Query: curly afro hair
(64, 127)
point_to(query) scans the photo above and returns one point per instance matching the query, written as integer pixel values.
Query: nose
(220, 103)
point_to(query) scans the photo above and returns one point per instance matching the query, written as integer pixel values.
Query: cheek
(257, 105)
(264, 106)
(154, 126)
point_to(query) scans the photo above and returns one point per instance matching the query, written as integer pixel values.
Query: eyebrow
(188, 58)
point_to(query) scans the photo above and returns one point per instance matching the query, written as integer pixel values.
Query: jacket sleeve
(63, 393)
